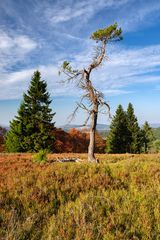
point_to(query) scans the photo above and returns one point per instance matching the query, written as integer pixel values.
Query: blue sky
(42, 34)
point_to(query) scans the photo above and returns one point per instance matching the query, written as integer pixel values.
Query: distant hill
(154, 125)
(4, 126)
(100, 127)
(103, 129)
(156, 132)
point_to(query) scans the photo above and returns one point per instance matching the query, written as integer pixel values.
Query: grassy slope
(116, 199)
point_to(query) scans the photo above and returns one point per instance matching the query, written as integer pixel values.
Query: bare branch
(81, 105)
(71, 75)
(72, 115)
(98, 59)
(87, 119)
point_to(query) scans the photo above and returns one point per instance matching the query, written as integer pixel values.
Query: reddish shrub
(76, 141)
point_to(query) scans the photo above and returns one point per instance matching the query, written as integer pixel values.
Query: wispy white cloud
(130, 66)
(139, 15)
(23, 42)
(13, 48)
(130, 14)
(14, 84)
(124, 68)
(115, 92)
(83, 10)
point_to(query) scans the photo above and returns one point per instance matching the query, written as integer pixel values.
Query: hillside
(156, 132)
(116, 199)
(100, 127)
(103, 129)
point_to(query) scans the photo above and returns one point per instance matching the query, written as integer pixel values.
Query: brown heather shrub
(117, 199)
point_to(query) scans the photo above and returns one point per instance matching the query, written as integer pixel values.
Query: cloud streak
(124, 68)
(140, 16)
(14, 48)
(84, 10)
(52, 36)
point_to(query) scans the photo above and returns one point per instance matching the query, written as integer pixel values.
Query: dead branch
(99, 58)
(87, 119)
(64, 160)
(72, 115)
(82, 106)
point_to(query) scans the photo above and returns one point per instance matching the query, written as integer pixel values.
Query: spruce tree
(15, 137)
(118, 138)
(135, 143)
(148, 137)
(32, 128)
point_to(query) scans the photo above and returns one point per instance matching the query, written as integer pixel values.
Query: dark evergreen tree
(32, 128)
(135, 143)
(148, 137)
(15, 137)
(119, 136)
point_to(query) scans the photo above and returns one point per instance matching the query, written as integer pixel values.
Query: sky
(40, 35)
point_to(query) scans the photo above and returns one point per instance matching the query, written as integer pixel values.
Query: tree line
(33, 128)
(125, 135)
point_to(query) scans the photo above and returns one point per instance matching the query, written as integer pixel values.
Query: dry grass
(117, 199)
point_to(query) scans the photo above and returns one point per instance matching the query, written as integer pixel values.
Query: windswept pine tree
(32, 128)
(135, 144)
(92, 100)
(119, 135)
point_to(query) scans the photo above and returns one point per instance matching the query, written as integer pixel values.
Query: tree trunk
(91, 148)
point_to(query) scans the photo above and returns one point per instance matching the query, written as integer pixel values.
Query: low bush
(41, 156)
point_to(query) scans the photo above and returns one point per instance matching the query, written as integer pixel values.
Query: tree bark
(91, 148)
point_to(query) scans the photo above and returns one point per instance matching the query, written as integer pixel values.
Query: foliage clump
(41, 156)
(109, 33)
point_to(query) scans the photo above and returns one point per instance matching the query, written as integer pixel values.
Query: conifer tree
(135, 144)
(148, 137)
(15, 137)
(31, 130)
(119, 136)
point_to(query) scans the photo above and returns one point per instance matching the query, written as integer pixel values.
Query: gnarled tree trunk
(91, 147)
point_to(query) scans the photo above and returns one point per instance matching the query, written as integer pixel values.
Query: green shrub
(41, 156)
